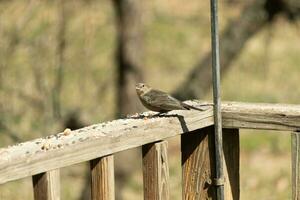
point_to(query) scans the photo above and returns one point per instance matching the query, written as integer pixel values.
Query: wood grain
(102, 178)
(198, 164)
(64, 149)
(197, 167)
(231, 148)
(295, 139)
(155, 171)
(261, 116)
(46, 186)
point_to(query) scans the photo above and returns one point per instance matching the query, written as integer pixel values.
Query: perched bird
(159, 101)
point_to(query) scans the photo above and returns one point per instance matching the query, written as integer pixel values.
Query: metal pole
(219, 176)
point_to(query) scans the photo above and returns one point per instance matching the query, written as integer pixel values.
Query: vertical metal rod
(219, 176)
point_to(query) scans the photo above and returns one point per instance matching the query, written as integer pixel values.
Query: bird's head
(142, 88)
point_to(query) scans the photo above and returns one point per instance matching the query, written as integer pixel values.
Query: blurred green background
(176, 36)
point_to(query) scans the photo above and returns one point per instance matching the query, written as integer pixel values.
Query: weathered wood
(295, 139)
(198, 164)
(155, 171)
(64, 149)
(261, 116)
(102, 178)
(46, 186)
(231, 148)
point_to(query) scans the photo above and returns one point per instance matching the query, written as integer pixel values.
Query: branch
(253, 18)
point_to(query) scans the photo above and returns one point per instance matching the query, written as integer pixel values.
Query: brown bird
(159, 101)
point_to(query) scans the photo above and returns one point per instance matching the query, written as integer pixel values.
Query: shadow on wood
(198, 164)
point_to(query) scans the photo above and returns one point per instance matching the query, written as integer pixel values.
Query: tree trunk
(60, 51)
(129, 54)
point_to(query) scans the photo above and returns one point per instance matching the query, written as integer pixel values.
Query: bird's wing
(162, 100)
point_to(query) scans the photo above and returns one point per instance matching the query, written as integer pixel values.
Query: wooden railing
(42, 158)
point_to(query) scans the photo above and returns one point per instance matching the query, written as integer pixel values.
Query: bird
(159, 101)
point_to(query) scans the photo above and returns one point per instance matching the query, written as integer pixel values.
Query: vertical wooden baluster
(197, 164)
(155, 171)
(102, 178)
(46, 186)
(231, 147)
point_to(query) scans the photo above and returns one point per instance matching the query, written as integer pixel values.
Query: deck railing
(42, 158)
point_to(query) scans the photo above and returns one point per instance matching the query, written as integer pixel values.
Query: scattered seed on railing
(46, 146)
(67, 131)
(49, 136)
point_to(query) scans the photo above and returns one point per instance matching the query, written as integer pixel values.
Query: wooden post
(102, 178)
(231, 148)
(198, 164)
(295, 139)
(46, 185)
(155, 171)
